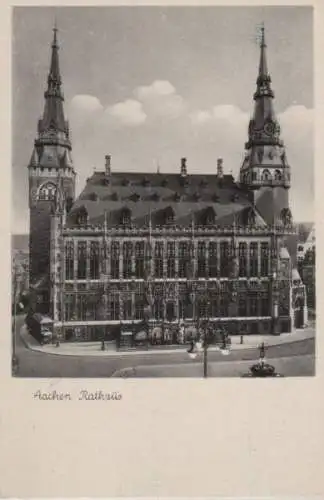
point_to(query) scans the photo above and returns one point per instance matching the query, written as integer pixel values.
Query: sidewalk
(94, 348)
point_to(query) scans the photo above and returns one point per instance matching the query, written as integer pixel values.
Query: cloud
(129, 113)
(158, 87)
(85, 103)
(222, 113)
(160, 100)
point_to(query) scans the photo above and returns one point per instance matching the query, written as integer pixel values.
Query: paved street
(37, 364)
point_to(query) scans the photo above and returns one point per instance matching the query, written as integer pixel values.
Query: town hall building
(151, 254)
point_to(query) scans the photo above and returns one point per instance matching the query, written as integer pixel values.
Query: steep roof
(145, 193)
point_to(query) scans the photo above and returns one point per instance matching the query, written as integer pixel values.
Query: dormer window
(82, 217)
(125, 217)
(169, 216)
(209, 217)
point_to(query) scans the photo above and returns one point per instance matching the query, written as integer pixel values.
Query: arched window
(171, 259)
(47, 192)
(224, 259)
(139, 260)
(264, 259)
(158, 259)
(254, 259)
(266, 176)
(286, 216)
(127, 259)
(114, 260)
(82, 260)
(94, 260)
(69, 260)
(278, 175)
(212, 259)
(242, 259)
(183, 259)
(201, 259)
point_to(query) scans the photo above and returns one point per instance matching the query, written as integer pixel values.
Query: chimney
(183, 167)
(220, 168)
(107, 165)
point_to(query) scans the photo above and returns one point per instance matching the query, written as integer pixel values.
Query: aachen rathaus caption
(153, 253)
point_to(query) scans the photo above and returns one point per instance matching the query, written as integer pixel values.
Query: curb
(148, 352)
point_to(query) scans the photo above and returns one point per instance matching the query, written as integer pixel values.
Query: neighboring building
(306, 240)
(147, 250)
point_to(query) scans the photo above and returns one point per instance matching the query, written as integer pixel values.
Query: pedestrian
(242, 339)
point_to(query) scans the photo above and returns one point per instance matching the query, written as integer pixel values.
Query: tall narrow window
(171, 259)
(253, 259)
(170, 311)
(127, 306)
(81, 307)
(242, 259)
(214, 307)
(182, 306)
(242, 306)
(223, 307)
(158, 308)
(253, 305)
(69, 260)
(183, 259)
(158, 260)
(139, 305)
(264, 259)
(224, 259)
(94, 260)
(127, 260)
(69, 304)
(114, 260)
(201, 259)
(82, 260)
(139, 260)
(265, 305)
(113, 304)
(212, 259)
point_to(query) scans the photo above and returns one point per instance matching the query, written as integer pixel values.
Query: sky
(150, 85)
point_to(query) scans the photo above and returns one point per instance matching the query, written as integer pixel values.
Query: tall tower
(51, 160)
(265, 171)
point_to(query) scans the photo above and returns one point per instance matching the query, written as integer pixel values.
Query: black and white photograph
(163, 192)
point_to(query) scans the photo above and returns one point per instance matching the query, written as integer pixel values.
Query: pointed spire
(264, 79)
(53, 117)
(54, 68)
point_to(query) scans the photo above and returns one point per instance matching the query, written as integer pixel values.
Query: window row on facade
(79, 307)
(208, 260)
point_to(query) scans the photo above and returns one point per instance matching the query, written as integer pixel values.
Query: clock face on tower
(269, 128)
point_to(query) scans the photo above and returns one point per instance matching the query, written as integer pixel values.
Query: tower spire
(265, 161)
(53, 117)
